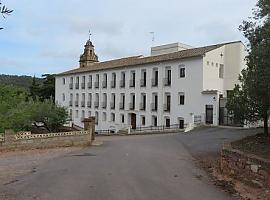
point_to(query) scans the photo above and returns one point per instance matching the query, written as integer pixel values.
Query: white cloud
(51, 34)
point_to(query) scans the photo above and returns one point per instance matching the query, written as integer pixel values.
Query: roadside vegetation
(23, 110)
(250, 100)
(257, 145)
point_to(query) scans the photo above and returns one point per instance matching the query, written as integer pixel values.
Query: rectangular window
(168, 76)
(123, 80)
(112, 117)
(182, 71)
(90, 81)
(155, 78)
(97, 81)
(70, 113)
(143, 120)
(154, 120)
(64, 81)
(77, 82)
(132, 79)
(122, 101)
(77, 114)
(122, 118)
(71, 100)
(181, 98)
(83, 115)
(104, 117)
(63, 97)
(143, 78)
(104, 83)
(96, 117)
(113, 82)
(83, 82)
(221, 71)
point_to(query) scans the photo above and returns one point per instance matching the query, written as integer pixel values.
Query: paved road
(156, 167)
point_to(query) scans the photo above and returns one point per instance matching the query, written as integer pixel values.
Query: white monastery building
(177, 85)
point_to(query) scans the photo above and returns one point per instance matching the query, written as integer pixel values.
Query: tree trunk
(265, 124)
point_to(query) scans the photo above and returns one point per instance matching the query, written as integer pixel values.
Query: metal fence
(159, 128)
(145, 129)
(105, 132)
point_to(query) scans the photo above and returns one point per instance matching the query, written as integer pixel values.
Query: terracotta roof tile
(140, 60)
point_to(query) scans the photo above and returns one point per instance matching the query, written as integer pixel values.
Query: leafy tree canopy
(250, 101)
(19, 112)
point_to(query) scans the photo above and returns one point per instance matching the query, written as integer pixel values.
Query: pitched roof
(140, 60)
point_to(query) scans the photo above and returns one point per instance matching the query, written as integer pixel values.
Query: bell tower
(88, 55)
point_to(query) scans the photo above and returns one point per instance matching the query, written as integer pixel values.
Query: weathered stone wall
(245, 167)
(34, 141)
(26, 140)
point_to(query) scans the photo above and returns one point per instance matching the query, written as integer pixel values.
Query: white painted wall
(199, 77)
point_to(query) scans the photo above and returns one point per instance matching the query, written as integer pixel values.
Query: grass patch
(258, 145)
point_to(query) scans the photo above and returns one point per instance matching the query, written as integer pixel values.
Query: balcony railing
(71, 86)
(142, 106)
(76, 103)
(104, 105)
(132, 83)
(104, 84)
(154, 82)
(83, 104)
(70, 103)
(77, 85)
(154, 107)
(121, 106)
(167, 82)
(113, 84)
(122, 83)
(96, 104)
(89, 104)
(143, 83)
(112, 105)
(83, 85)
(167, 107)
(132, 106)
(96, 84)
(89, 85)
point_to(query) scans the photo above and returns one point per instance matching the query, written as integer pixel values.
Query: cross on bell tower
(89, 55)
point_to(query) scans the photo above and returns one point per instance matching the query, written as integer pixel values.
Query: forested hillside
(20, 81)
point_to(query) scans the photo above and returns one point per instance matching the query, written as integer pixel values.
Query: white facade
(192, 84)
(169, 48)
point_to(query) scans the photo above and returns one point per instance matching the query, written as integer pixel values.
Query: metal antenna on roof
(90, 34)
(153, 37)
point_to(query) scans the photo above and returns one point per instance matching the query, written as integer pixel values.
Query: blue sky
(48, 36)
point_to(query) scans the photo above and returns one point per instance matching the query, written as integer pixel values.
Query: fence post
(89, 125)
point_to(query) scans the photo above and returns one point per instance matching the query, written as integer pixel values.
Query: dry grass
(258, 145)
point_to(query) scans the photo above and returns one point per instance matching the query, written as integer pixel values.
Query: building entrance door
(168, 123)
(181, 124)
(133, 120)
(209, 114)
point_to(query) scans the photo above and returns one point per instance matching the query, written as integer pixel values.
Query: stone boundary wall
(26, 140)
(248, 168)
